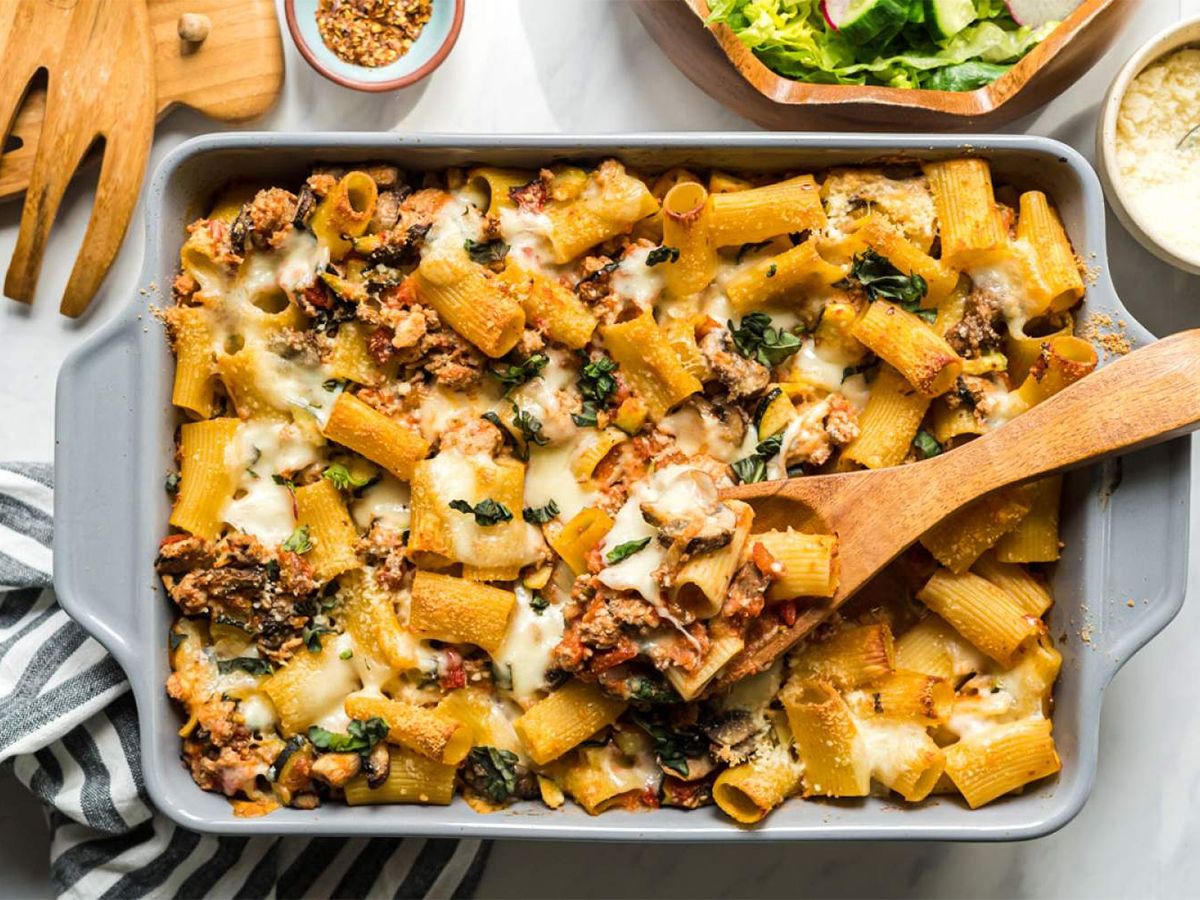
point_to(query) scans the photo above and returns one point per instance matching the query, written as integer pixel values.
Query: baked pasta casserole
(447, 516)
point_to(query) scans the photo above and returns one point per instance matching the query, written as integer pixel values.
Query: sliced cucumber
(866, 21)
(946, 18)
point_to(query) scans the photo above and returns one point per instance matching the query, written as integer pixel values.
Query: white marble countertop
(587, 66)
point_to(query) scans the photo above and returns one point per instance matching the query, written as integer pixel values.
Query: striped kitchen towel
(68, 732)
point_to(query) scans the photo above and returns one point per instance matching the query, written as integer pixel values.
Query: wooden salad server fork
(1148, 396)
(101, 84)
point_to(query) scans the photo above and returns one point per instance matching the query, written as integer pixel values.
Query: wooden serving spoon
(1148, 396)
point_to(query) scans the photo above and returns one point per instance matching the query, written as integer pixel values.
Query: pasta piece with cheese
(412, 778)
(350, 360)
(827, 740)
(979, 611)
(446, 608)
(794, 272)
(579, 536)
(702, 583)
(345, 212)
(853, 656)
(609, 202)
(649, 363)
(750, 216)
(1002, 759)
(429, 732)
(194, 365)
(1038, 225)
(969, 223)
(1018, 583)
(320, 509)
(471, 301)
(746, 793)
(205, 480)
(551, 306)
(381, 439)
(1035, 537)
(311, 686)
(686, 230)
(905, 341)
(963, 536)
(809, 561)
(889, 423)
(689, 684)
(565, 719)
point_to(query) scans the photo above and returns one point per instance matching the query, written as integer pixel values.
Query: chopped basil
(599, 273)
(487, 512)
(881, 280)
(651, 690)
(251, 664)
(538, 603)
(671, 747)
(284, 482)
(753, 468)
(540, 515)
(771, 270)
(866, 368)
(172, 483)
(298, 541)
(486, 252)
(597, 382)
(661, 255)
(530, 427)
(926, 444)
(586, 417)
(342, 479)
(756, 338)
(626, 550)
(312, 637)
(749, 248)
(517, 374)
(493, 772)
(361, 736)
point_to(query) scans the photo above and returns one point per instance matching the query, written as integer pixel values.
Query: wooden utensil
(1148, 396)
(726, 69)
(235, 74)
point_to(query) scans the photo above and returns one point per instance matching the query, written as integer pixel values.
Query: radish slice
(834, 11)
(1035, 13)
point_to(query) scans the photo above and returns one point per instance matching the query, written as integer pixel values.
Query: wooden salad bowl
(728, 71)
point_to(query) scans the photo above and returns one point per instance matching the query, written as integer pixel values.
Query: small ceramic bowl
(432, 46)
(1118, 193)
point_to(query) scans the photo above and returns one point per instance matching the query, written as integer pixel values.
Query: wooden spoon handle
(1148, 396)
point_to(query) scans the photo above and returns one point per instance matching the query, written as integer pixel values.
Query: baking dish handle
(94, 553)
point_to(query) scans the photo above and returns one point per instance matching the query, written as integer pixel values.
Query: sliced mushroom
(377, 765)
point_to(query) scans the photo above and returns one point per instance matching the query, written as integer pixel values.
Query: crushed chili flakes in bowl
(371, 32)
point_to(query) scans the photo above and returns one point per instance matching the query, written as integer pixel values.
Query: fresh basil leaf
(596, 381)
(881, 280)
(360, 736)
(342, 479)
(530, 428)
(517, 374)
(540, 515)
(298, 541)
(486, 512)
(586, 417)
(486, 252)
(626, 550)
(172, 483)
(756, 338)
(251, 664)
(493, 772)
(661, 255)
(753, 468)
(671, 747)
(312, 637)
(538, 603)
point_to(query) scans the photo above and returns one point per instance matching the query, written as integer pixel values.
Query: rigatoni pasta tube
(367, 612)
(429, 732)
(649, 363)
(550, 306)
(889, 423)
(1020, 584)
(778, 277)
(310, 685)
(809, 563)
(446, 608)
(827, 740)
(939, 278)
(853, 656)
(609, 202)
(909, 696)
(904, 759)
(786, 207)
(979, 611)
(205, 480)
(1035, 537)
(1039, 226)
(350, 360)
(344, 212)
(497, 184)
(746, 793)
(932, 647)
(1001, 759)
(1063, 361)
(319, 507)
(193, 343)
(566, 718)
(969, 223)
(904, 340)
(701, 584)
(381, 439)
(471, 302)
(412, 778)
(720, 651)
(686, 230)
(962, 537)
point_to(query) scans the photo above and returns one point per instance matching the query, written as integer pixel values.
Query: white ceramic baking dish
(1120, 581)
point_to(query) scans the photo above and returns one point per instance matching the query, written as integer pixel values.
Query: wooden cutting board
(236, 74)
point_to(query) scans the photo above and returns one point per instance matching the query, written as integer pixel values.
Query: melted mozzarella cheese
(258, 712)
(300, 259)
(635, 280)
(821, 367)
(890, 746)
(526, 234)
(549, 477)
(635, 572)
(328, 690)
(803, 436)
(389, 499)
(441, 408)
(455, 223)
(699, 432)
(550, 406)
(263, 449)
(528, 646)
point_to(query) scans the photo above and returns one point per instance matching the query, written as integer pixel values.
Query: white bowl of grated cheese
(1148, 145)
